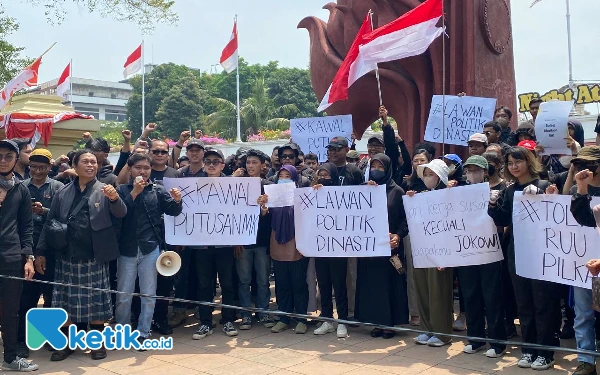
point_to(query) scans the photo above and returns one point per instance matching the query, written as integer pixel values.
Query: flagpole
(569, 46)
(143, 91)
(376, 65)
(71, 83)
(237, 78)
(443, 81)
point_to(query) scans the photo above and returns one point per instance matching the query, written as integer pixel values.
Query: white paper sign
(216, 211)
(313, 134)
(280, 195)
(452, 228)
(464, 116)
(549, 244)
(342, 221)
(551, 127)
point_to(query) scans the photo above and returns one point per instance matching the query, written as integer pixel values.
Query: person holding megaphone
(141, 239)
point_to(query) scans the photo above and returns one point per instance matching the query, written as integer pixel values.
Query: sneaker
(585, 368)
(473, 348)
(460, 324)
(141, 340)
(525, 361)
(437, 343)
(422, 339)
(541, 363)
(301, 328)
(246, 323)
(19, 364)
(230, 329)
(162, 327)
(342, 331)
(266, 321)
(493, 353)
(202, 332)
(279, 327)
(415, 321)
(176, 318)
(325, 328)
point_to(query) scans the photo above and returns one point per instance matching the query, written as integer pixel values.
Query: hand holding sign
(313, 134)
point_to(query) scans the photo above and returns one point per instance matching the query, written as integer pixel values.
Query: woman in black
(538, 302)
(381, 295)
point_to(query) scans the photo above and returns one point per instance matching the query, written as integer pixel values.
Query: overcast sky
(267, 31)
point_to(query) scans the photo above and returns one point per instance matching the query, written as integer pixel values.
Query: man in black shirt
(42, 190)
(22, 168)
(288, 155)
(349, 173)
(16, 256)
(159, 152)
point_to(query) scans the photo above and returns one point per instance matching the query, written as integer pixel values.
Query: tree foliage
(11, 60)
(145, 13)
(180, 109)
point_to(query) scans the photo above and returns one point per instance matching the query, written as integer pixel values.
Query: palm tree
(256, 112)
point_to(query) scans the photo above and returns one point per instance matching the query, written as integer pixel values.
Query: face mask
(325, 181)
(451, 170)
(284, 181)
(565, 161)
(431, 181)
(377, 175)
(491, 170)
(502, 121)
(475, 177)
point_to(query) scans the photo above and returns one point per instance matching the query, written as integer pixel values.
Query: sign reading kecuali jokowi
(582, 94)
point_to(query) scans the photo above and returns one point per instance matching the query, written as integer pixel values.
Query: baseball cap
(453, 157)
(478, 161)
(530, 145)
(11, 145)
(213, 151)
(376, 138)
(352, 154)
(242, 152)
(195, 142)
(41, 155)
(338, 142)
(478, 137)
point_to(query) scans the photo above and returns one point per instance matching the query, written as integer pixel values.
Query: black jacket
(143, 225)
(47, 191)
(105, 174)
(583, 213)
(263, 236)
(16, 224)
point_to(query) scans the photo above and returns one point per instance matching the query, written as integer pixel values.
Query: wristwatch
(30, 257)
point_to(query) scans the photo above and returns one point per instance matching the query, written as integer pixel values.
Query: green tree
(144, 13)
(292, 85)
(180, 109)
(11, 60)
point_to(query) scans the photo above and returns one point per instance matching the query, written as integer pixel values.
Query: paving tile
(283, 339)
(243, 367)
(402, 365)
(356, 356)
(282, 358)
(208, 361)
(317, 347)
(423, 351)
(450, 370)
(319, 366)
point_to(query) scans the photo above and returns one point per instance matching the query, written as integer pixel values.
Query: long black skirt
(381, 294)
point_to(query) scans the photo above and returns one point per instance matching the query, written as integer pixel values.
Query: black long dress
(381, 294)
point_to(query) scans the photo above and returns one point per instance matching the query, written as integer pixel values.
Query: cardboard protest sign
(549, 244)
(551, 127)
(216, 211)
(462, 117)
(280, 195)
(451, 227)
(342, 221)
(313, 134)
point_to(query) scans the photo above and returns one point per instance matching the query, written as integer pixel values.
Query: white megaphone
(168, 263)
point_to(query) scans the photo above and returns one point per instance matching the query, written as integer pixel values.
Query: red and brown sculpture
(478, 53)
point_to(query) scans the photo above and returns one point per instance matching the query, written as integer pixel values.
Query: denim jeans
(128, 268)
(258, 259)
(584, 323)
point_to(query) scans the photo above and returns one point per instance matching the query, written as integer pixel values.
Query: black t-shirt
(501, 186)
(156, 177)
(350, 174)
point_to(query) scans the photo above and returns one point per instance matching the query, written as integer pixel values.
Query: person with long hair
(538, 302)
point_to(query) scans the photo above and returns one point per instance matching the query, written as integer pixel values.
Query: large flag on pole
(64, 82)
(409, 35)
(229, 56)
(27, 78)
(133, 63)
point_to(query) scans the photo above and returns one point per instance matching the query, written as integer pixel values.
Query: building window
(119, 117)
(91, 93)
(113, 96)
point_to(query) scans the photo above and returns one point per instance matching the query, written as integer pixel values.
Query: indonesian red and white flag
(133, 63)
(409, 35)
(64, 82)
(229, 56)
(27, 78)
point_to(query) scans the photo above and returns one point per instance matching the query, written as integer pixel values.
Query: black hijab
(387, 166)
(333, 172)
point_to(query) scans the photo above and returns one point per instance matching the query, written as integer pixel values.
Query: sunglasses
(288, 156)
(214, 162)
(582, 166)
(160, 152)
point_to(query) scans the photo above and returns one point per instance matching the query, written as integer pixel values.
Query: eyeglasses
(7, 157)
(288, 156)
(160, 152)
(214, 162)
(38, 167)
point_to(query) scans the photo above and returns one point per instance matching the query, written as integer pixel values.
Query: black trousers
(510, 305)
(292, 289)
(10, 294)
(331, 273)
(207, 261)
(482, 292)
(31, 294)
(112, 274)
(164, 287)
